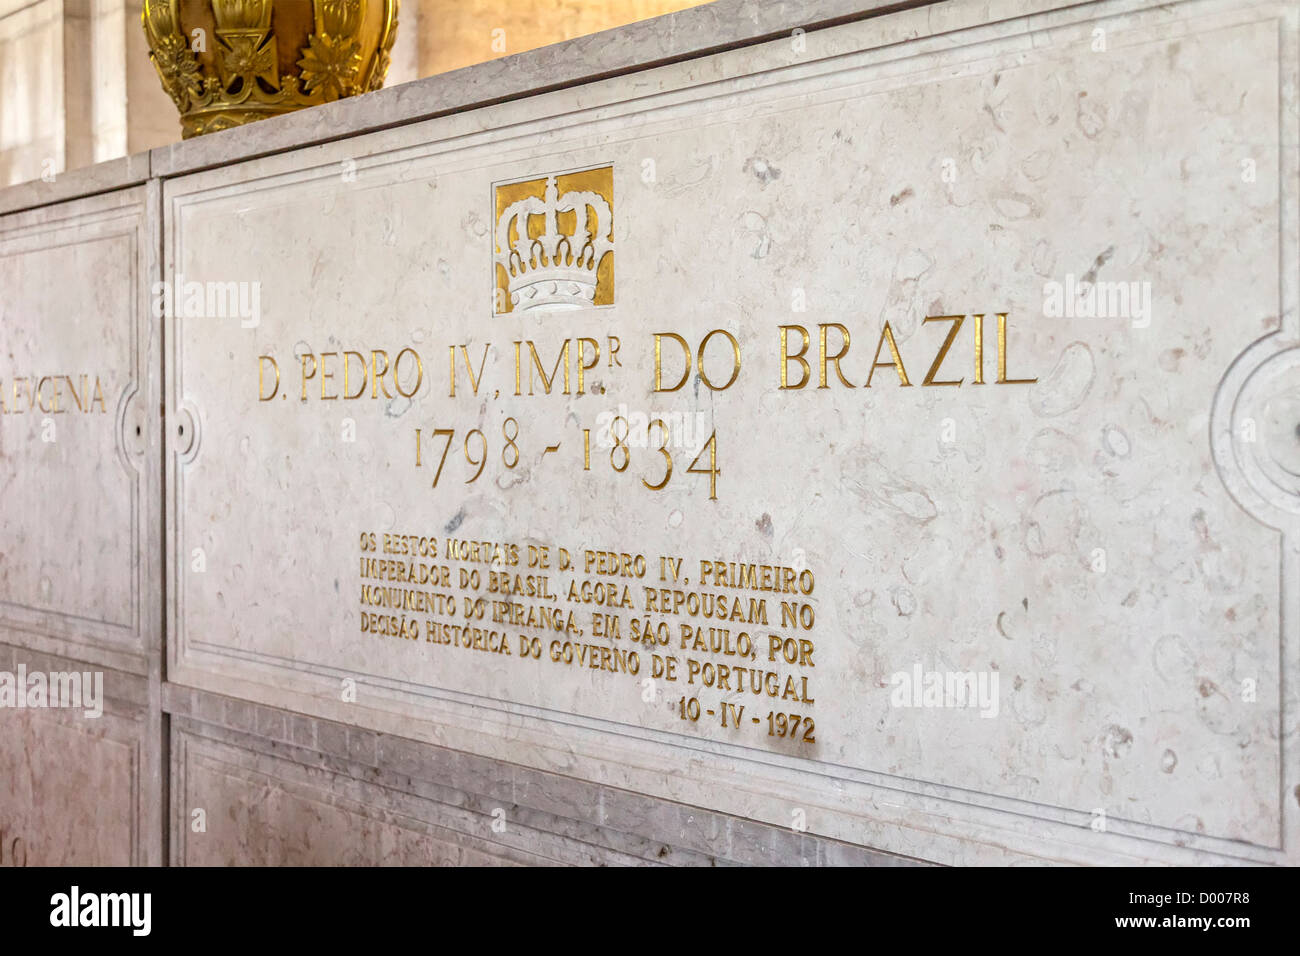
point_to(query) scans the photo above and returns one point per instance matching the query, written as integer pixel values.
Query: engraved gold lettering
(310, 356)
(347, 369)
(956, 321)
(419, 371)
(326, 374)
(548, 381)
(735, 358)
(377, 374)
(887, 335)
(1002, 356)
(844, 350)
(473, 379)
(261, 378)
(686, 371)
(787, 357)
(40, 396)
(45, 393)
(583, 366)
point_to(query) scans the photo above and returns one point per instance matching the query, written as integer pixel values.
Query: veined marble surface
(80, 440)
(81, 526)
(1077, 540)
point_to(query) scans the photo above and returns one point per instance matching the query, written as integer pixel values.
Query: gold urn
(230, 62)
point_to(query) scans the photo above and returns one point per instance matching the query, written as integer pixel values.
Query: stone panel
(80, 508)
(1081, 525)
(80, 786)
(79, 447)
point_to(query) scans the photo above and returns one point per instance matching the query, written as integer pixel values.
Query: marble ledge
(102, 177)
(125, 694)
(549, 803)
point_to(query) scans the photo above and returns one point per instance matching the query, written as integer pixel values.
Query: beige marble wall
(32, 125)
(457, 33)
(76, 87)
(148, 114)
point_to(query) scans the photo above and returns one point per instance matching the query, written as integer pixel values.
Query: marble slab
(102, 177)
(1095, 529)
(80, 525)
(80, 786)
(80, 438)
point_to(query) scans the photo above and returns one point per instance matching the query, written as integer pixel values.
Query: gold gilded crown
(229, 62)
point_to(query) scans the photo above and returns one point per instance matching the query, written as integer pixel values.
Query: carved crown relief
(554, 242)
